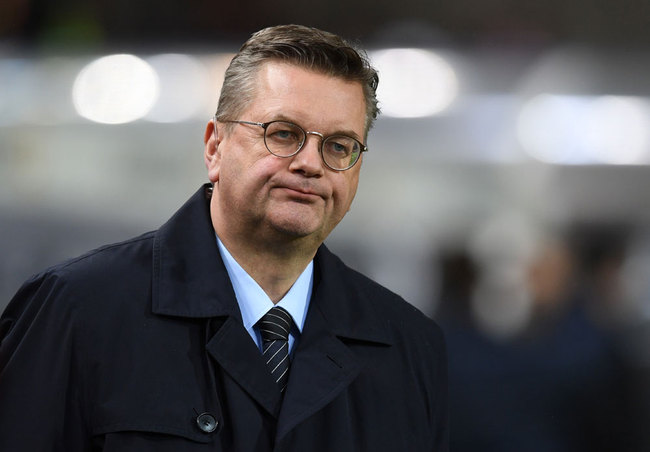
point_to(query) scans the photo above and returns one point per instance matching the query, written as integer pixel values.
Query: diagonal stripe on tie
(274, 328)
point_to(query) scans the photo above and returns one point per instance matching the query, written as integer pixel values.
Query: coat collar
(190, 279)
(343, 298)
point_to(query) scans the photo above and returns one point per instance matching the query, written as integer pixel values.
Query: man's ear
(211, 153)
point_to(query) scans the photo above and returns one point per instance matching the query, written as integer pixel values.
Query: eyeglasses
(286, 139)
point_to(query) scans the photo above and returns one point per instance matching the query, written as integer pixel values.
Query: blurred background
(505, 193)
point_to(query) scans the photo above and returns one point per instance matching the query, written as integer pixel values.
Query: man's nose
(309, 160)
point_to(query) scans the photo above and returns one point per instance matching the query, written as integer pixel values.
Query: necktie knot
(275, 325)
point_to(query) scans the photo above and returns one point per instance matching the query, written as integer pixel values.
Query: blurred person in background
(232, 327)
(530, 367)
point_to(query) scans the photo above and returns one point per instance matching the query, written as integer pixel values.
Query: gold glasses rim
(264, 125)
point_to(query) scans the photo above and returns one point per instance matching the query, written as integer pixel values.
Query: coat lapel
(235, 351)
(323, 365)
(190, 280)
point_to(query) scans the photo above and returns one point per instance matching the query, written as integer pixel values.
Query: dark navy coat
(139, 346)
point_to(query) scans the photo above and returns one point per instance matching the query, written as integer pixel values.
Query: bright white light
(547, 128)
(618, 130)
(115, 89)
(184, 88)
(582, 130)
(413, 82)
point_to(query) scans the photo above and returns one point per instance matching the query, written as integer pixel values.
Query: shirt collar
(253, 301)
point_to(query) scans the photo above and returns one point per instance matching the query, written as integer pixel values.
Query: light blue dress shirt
(254, 302)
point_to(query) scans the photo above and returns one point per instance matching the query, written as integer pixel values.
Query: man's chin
(295, 229)
(299, 227)
(296, 219)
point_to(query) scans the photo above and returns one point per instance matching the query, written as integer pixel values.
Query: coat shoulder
(84, 280)
(106, 261)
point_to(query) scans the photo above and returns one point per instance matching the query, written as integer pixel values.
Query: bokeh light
(115, 89)
(184, 84)
(414, 82)
(618, 130)
(583, 130)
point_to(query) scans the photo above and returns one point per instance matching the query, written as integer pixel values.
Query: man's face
(258, 193)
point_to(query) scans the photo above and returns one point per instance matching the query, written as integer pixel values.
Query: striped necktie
(275, 327)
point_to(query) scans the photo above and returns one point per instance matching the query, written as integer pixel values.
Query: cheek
(243, 159)
(345, 192)
(248, 178)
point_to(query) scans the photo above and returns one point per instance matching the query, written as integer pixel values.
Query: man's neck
(275, 272)
(274, 263)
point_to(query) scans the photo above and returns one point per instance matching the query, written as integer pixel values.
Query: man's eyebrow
(282, 117)
(347, 132)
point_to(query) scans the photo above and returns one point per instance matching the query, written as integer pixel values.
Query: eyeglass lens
(285, 139)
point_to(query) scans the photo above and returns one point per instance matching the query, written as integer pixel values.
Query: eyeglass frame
(323, 138)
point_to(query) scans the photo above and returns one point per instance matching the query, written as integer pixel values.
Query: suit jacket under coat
(123, 348)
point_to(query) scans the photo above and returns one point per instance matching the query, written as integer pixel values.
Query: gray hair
(302, 46)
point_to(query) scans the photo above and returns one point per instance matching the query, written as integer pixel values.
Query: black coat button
(206, 422)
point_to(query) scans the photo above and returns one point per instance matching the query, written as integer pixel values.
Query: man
(168, 342)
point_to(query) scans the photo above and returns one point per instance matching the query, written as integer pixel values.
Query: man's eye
(284, 135)
(340, 145)
(284, 132)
